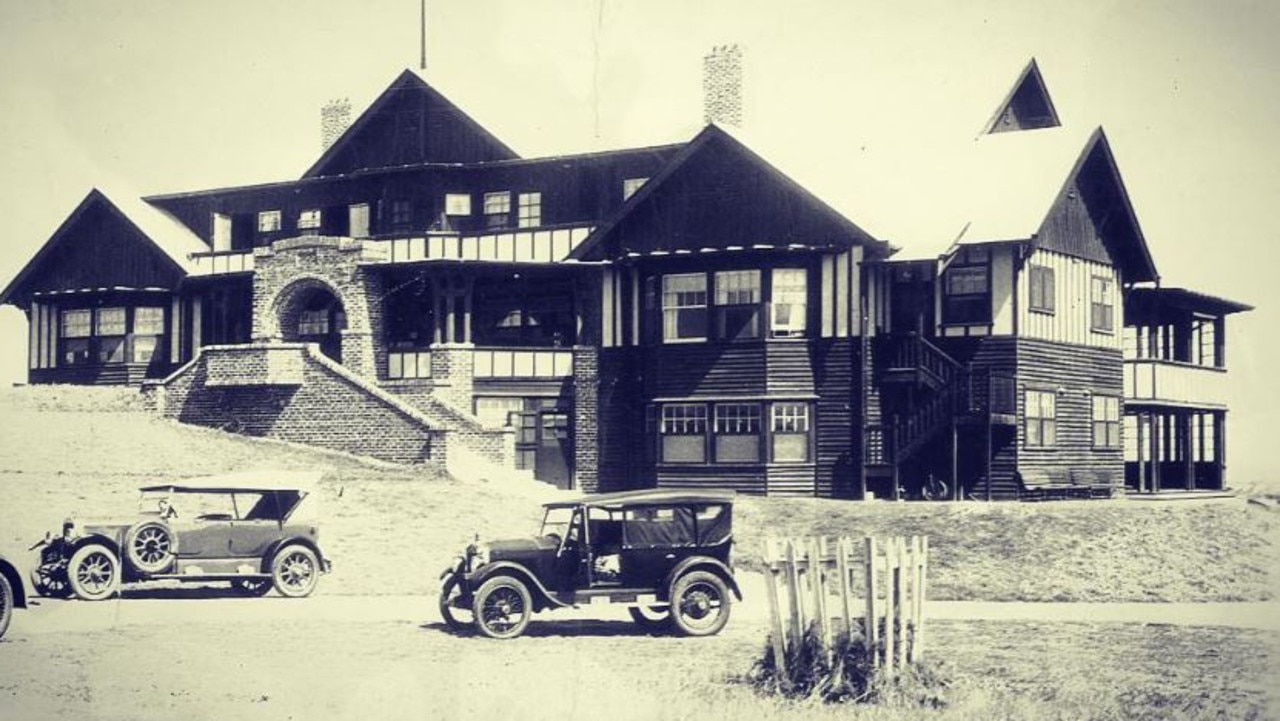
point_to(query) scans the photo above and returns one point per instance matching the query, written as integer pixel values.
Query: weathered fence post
(777, 630)
(843, 548)
(871, 623)
(890, 601)
(792, 574)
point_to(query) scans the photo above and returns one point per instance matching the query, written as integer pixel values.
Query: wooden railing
(222, 262)
(914, 352)
(1159, 381)
(547, 245)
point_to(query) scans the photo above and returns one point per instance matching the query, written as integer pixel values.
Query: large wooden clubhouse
(679, 315)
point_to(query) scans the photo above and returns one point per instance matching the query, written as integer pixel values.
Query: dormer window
(529, 213)
(309, 222)
(457, 204)
(497, 209)
(268, 221)
(630, 186)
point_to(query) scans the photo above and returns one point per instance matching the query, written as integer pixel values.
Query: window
(148, 326)
(1041, 419)
(1042, 289)
(457, 204)
(1106, 422)
(630, 186)
(684, 432)
(268, 221)
(530, 210)
(684, 307)
(76, 328)
(1204, 345)
(966, 288)
(737, 436)
(738, 304)
(1101, 306)
(358, 220)
(309, 222)
(401, 214)
(221, 232)
(790, 297)
(497, 209)
(790, 425)
(313, 322)
(109, 327)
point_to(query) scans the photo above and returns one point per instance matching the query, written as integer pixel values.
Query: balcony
(538, 245)
(1169, 383)
(222, 263)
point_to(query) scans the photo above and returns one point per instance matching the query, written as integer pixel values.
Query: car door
(655, 539)
(203, 524)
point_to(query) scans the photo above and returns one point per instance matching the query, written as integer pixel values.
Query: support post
(871, 624)
(777, 629)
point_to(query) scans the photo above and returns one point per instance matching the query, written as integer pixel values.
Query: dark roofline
(363, 172)
(412, 79)
(1032, 70)
(1187, 299)
(690, 149)
(94, 196)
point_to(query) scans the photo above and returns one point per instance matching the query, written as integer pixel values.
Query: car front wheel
(6, 604)
(458, 619)
(94, 573)
(699, 604)
(502, 607)
(295, 571)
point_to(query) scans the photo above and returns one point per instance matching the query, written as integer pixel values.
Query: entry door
(553, 460)
(911, 303)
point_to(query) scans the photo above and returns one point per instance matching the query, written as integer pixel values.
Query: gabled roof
(1026, 107)
(166, 233)
(412, 83)
(594, 247)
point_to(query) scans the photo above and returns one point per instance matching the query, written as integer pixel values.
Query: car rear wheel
(502, 607)
(654, 618)
(295, 571)
(94, 573)
(699, 604)
(6, 604)
(458, 619)
(150, 546)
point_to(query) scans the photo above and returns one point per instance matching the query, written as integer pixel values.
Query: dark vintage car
(662, 554)
(12, 595)
(254, 530)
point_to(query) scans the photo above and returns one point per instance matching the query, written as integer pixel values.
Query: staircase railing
(915, 352)
(913, 429)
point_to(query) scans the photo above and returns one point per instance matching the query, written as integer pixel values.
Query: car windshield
(556, 521)
(153, 502)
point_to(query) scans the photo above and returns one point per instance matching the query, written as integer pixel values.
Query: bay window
(684, 433)
(74, 333)
(109, 327)
(790, 432)
(738, 304)
(684, 307)
(148, 327)
(737, 432)
(110, 335)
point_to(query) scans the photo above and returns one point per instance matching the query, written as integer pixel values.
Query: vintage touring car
(254, 530)
(663, 554)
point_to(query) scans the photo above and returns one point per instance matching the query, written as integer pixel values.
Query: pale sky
(862, 101)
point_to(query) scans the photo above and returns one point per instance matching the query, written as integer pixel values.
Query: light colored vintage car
(255, 530)
(12, 595)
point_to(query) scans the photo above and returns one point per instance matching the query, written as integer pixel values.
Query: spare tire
(151, 546)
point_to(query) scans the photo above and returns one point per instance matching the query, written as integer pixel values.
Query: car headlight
(68, 529)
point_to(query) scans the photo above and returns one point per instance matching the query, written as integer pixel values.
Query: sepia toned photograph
(670, 360)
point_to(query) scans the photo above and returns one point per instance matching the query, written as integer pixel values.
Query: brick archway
(311, 310)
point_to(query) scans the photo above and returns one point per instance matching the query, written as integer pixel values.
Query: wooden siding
(790, 480)
(838, 423)
(1075, 374)
(102, 250)
(96, 374)
(1071, 319)
(679, 370)
(1073, 225)
(743, 479)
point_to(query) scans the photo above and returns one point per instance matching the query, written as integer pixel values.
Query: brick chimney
(335, 117)
(722, 86)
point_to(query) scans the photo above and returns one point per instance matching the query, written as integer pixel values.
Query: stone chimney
(722, 85)
(335, 117)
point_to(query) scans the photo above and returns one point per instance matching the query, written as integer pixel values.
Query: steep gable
(716, 194)
(98, 246)
(409, 123)
(1026, 107)
(1092, 218)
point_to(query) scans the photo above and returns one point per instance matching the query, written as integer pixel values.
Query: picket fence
(844, 591)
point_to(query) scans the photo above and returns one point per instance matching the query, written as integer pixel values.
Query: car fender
(499, 568)
(97, 539)
(16, 582)
(274, 548)
(705, 563)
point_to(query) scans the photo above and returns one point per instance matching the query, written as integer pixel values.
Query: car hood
(520, 547)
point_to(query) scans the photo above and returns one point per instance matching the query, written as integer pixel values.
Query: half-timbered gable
(409, 123)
